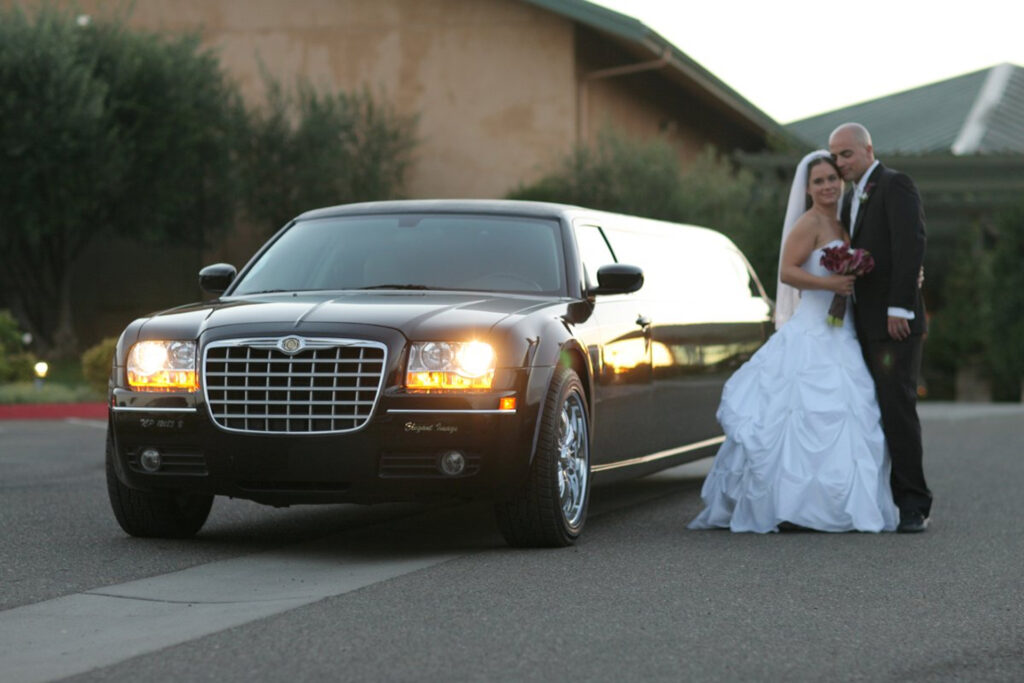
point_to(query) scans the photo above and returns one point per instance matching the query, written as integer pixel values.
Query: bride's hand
(841, 284)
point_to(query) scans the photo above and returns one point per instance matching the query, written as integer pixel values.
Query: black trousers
(895, 366)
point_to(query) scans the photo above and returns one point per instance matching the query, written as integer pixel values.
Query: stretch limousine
(388, 351)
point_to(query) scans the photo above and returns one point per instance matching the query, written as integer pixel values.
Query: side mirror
(618, 278)
(216, 278)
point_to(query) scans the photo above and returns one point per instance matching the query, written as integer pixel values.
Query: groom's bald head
(857, 132)
(850, 145)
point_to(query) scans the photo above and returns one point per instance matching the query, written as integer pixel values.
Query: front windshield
(413, 251)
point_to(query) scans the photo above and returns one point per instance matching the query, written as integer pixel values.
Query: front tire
(551, 508)
(154, 514)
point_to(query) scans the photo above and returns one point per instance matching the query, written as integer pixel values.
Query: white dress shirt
(858, 192)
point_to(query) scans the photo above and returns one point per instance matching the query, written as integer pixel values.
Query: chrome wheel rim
(573, 459)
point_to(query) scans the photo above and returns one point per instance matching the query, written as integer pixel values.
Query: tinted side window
(594, 251)
(700, 272)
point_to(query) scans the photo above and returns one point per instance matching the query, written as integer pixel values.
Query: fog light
(452, 463)
(150, 459)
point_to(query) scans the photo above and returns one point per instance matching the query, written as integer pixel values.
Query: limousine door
(618, 338)
(708, 315)
(709, 321)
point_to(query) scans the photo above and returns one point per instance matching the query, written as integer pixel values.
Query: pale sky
(797, 58)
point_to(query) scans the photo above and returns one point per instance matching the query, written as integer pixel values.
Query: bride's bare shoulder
(813, 226)
(809, 223)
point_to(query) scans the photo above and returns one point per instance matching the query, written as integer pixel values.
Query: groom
(884, 216)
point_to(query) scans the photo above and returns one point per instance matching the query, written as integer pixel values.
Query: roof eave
(634, 31)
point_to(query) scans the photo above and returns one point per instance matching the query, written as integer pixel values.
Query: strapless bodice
(814, 303)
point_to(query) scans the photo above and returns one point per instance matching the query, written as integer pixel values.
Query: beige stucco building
(501, 88)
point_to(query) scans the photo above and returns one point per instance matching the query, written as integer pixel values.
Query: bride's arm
(799, 245)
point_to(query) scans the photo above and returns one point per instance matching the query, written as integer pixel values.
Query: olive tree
(105, 132)
(308, 149)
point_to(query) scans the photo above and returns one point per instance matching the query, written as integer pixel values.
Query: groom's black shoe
(912, 523)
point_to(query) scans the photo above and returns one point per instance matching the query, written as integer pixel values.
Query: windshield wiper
(407, 286)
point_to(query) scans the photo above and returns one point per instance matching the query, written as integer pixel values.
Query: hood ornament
(291, 345)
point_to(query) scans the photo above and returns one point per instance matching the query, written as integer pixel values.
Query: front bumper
(393, 458)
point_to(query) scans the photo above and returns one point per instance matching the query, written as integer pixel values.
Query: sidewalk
(53, 411)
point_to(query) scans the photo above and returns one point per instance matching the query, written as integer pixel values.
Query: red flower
(844, 261)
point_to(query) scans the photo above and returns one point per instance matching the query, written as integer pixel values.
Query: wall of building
(491, 80)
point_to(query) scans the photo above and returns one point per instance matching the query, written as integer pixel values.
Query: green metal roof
(976, 113)
(634, 31)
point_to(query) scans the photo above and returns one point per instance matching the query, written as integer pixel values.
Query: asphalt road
(411, 592)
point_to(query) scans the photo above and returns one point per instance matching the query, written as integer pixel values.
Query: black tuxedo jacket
(890, 225)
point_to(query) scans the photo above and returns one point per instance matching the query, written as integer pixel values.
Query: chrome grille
(317, 386)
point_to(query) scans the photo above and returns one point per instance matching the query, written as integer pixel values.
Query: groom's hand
(899, 328)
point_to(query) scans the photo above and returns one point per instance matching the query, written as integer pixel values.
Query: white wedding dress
(804, 440)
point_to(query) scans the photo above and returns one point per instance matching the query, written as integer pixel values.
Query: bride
(804, 443)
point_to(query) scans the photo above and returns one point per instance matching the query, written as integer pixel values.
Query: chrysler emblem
(290, 345)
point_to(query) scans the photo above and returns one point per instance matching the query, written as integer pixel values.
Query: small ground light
(452, 463)
(40, 368)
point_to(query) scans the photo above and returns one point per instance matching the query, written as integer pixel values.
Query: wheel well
(572, 358)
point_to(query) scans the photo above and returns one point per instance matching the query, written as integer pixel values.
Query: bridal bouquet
(844, 261)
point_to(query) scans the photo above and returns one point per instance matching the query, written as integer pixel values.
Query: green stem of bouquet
(837, 311)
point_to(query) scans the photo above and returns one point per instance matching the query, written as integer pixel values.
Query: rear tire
(551, 508)
(154, 514)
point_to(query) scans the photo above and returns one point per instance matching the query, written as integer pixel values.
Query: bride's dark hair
(811, 164)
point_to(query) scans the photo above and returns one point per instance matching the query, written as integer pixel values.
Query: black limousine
(405, 350)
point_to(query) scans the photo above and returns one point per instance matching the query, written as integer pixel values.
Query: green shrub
(16, 367)
(15, 363)
(96, 364)
(10, 335)
(48, 392)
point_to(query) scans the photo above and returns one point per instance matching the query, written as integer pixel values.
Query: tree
(1006, 331)
(105, 132)
(615, 173)
(308, 149)
(958, 332)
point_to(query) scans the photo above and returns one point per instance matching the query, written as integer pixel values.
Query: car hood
(417, 315)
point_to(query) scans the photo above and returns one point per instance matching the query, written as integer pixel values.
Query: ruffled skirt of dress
(804, 440)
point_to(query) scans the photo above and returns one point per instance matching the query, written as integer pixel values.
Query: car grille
(293, 385)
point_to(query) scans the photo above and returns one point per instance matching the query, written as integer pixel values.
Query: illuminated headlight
(450, 365)
(163, 366)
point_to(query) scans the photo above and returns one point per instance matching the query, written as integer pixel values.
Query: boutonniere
(865, 193)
